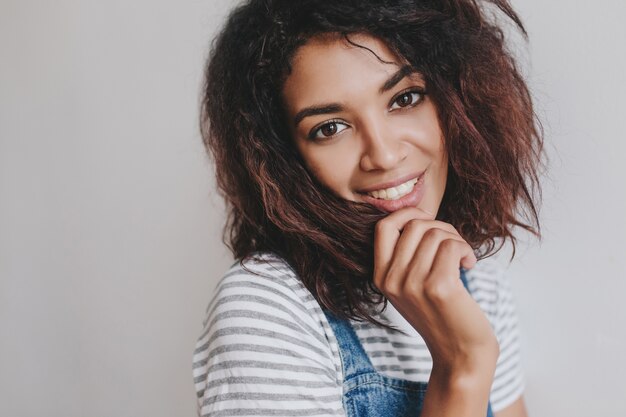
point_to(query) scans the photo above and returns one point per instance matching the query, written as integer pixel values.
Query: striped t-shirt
(267, 348)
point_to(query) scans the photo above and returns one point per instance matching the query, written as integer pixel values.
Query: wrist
(467, 364)
(454, 392)
(474, 379)
(472, 365)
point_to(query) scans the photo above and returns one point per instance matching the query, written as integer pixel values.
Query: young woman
(369, 153)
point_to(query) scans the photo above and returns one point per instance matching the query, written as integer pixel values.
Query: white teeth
(394, 193)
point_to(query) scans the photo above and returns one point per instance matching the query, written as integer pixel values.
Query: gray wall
(110, 229)
(571, 288)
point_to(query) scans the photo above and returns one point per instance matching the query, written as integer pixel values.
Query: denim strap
(357, 362)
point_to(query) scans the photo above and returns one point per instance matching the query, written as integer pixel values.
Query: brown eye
(404, 100)
(407, 99)
(328, 129)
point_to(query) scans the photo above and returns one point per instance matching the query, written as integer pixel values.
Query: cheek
(433, 141)
(426, 123)
(441, 152)
(422, 130)
(440, 157)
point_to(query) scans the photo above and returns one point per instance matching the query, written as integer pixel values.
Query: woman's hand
(416, 266)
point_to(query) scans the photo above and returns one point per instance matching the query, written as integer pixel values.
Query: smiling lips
(403, 192)
(394, 193)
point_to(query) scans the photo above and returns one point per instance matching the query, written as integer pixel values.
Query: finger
(424, 256)
(448, 258)
(386, 235)
(388, 232)
(400, 217)
(418, 234)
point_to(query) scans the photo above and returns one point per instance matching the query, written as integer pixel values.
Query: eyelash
(413, 90)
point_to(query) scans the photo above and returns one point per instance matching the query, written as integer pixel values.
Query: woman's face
(363, 127)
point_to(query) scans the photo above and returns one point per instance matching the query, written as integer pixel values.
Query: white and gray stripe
(267, 349)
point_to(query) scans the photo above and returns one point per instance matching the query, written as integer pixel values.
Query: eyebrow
(336, 107)
(403, 72)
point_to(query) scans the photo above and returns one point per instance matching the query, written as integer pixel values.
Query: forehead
(357, 43)
(327, 66)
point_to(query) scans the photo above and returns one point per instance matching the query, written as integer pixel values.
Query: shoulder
(262, 296)
(261, 283)
(261, 333)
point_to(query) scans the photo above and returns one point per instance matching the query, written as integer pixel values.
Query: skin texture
(366, 137)
(378, 141)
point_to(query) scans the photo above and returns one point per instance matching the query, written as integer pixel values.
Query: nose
(383, 149)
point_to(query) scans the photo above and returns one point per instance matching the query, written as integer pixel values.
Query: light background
(110, 228)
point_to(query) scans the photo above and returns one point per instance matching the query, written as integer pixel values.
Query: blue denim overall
(367, 393)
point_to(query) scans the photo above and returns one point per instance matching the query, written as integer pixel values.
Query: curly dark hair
(491, 133)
